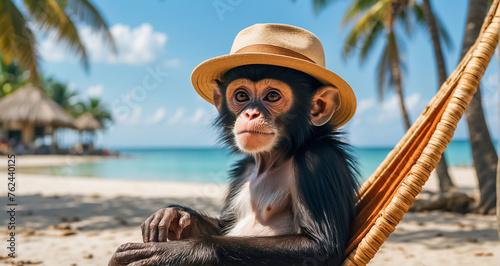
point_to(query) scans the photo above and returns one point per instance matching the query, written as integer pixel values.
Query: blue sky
(147, 85)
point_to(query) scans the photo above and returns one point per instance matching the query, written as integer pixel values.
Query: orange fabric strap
(378, 196)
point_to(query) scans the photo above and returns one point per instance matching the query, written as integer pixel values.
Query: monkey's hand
(155, 254)
(177, 222)
(165, 224)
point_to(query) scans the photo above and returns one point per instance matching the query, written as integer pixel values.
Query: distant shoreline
(156, 147)
(33, 161)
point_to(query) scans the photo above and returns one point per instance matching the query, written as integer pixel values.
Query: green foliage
(68, 100)
(98, 110)
(61, 94)
(11, 78)
(383, 19)
(17, 40)
(372, 20)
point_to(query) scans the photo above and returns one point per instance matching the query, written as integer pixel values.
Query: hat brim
(214, 68)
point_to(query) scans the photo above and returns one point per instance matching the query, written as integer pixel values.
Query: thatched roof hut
(27, 113)
(28, 104)
(87, 122)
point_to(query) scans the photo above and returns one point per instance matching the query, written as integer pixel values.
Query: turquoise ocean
(208, 165)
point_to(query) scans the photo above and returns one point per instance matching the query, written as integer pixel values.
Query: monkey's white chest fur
(263, 207)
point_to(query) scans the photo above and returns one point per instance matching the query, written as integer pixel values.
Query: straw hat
(278, 45)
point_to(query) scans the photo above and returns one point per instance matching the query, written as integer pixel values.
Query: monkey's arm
(178, 222)
(223, 250)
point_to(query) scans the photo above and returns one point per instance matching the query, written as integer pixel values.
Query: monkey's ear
(324, 103)
(217, 95)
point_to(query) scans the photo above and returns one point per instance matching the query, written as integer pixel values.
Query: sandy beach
(80, 221)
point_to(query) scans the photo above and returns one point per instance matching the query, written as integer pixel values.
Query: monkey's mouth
(255, 132)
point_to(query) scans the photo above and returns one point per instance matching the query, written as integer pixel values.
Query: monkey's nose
(252, 113)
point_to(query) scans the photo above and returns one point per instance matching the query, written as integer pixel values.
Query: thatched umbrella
(27, 107)
(87, 122)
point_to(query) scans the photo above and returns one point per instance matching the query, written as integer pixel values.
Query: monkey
(292, 196)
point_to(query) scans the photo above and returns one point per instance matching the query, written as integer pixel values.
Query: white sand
(107, 213)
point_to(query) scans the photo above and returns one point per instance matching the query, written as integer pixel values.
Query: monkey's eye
(241, 96)
(272, 97)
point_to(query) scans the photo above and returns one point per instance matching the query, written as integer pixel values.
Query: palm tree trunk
(498, 199)
(483, 151)
(445, 182)
(498, 170)
(396, 77)
(399, 91)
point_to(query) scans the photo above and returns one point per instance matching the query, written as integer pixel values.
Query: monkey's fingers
(185, 220)
(153, 226)
(130, 252)
(177, 227)
(165, 223)
(145, 262)
(145, 228)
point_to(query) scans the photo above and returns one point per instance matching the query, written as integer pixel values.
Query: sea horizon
(210, 164)
(153, 147)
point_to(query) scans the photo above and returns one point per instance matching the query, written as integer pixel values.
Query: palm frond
(418, 13)
(405, 18)
(358, 7)
(394, 57)
(369, 40)
(16, 39)
(99, 111)
(364, 27)
(87, 13)
(50, 17)
(319, 5)
(383, 73)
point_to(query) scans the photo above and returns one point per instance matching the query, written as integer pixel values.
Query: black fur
(325, 179)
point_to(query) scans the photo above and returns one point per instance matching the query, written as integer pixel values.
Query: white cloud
(135, 117)
(377, 123)
(365, 104)
(412, 101)
(51, 50)
(136, 46)
(197, 116)
(391, 107)
(157, 117)
(179, 113)
(94, 91)
(175, 62)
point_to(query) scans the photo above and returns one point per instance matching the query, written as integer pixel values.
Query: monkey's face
(263, 108)
(256, 106)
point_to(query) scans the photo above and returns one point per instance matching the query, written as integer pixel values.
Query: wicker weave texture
(444, 111)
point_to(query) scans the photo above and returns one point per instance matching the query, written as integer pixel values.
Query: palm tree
(11, 78)
(498, 198)
(436, 33)
(98, 110)
(373, 19)
(17, 40)
(380, 15)
(483, 151)
(498, 170)
(60, 93)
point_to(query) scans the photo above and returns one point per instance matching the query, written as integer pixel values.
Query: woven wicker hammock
(387, 195)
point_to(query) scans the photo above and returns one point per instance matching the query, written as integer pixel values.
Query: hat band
(271, 49)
